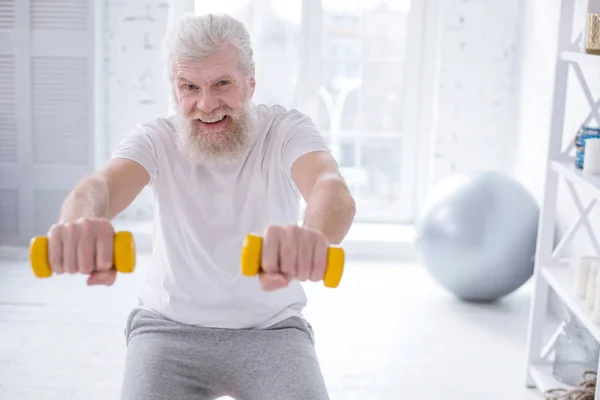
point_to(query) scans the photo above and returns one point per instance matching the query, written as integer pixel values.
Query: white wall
(537, 51)
(137, 88)
(478, 90)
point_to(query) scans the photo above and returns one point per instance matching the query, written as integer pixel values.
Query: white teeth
(212, 120)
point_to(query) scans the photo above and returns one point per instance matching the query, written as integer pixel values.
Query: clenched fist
(292, 252)
(83, 246)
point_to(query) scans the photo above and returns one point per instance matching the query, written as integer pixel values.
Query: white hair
(194, 37)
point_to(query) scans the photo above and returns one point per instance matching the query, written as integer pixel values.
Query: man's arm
(292, 252)
(330, 207)
(106, 193)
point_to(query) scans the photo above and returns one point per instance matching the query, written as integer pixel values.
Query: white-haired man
(220, 168)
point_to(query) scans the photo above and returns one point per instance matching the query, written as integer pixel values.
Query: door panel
(9, 214)
(60, 110)
(46, 110)
(12, 166)
(8, 118)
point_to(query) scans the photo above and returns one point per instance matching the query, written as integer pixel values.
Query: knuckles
(294, 233)
(70, 230)
(105, 228)
(82, 227)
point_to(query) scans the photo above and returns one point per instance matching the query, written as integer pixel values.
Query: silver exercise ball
(476, 235)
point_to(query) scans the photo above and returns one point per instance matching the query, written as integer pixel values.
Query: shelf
(544, 380)
(576, 175)
(580, 58)
(562, 280)
(572, 62)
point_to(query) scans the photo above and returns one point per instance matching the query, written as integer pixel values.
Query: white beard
(229, 147)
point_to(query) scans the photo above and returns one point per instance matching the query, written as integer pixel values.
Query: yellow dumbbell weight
(251, 254)
(123, 253)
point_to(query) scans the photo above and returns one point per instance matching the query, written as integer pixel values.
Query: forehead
(225, 61)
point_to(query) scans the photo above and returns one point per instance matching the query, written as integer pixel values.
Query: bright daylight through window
(344, 64)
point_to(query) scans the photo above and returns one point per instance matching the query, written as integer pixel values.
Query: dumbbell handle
(123, 254)
(251, 255)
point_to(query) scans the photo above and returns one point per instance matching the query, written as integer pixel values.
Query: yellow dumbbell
(123, 253)
(251, 254)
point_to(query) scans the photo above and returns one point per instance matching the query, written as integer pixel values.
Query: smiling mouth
(212, 120)
(212, 123)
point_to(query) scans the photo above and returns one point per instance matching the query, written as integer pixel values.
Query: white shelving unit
(551, 272)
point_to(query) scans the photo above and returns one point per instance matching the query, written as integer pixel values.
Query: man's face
(214, 109)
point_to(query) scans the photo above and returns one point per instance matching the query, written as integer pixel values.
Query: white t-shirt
(202, 216)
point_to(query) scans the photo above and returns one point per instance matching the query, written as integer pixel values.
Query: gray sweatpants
(168, 360)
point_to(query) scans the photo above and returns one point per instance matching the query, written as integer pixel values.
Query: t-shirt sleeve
(138, 146)
(301, 137)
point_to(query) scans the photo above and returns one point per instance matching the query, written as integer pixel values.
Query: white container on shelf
(581, 266)
(591, 162)
(590, 296)
(596, 309)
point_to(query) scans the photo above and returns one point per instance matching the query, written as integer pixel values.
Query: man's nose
(207, 103)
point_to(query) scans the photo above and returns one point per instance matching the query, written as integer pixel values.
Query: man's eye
(222, 83)
(190, 87)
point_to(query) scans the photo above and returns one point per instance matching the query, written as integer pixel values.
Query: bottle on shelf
(592, 43)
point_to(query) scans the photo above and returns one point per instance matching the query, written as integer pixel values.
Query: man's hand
(83, 246)
(292, 252)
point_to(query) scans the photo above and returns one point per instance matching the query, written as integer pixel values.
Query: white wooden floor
(387, 333)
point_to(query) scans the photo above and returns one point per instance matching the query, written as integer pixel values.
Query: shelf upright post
(547, 223)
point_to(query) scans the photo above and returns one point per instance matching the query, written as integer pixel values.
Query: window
(348, 65)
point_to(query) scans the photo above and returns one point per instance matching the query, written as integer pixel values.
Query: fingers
(104, 248)
(295, 253)
(288, 252)
(270, 281)
(270, 250)
(69, 245)
(84, 246)
(55, 250)
(86, 257)
(305, 255)
(319, 261)
(102, 277)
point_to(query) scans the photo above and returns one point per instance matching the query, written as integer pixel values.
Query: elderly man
(220, 168)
